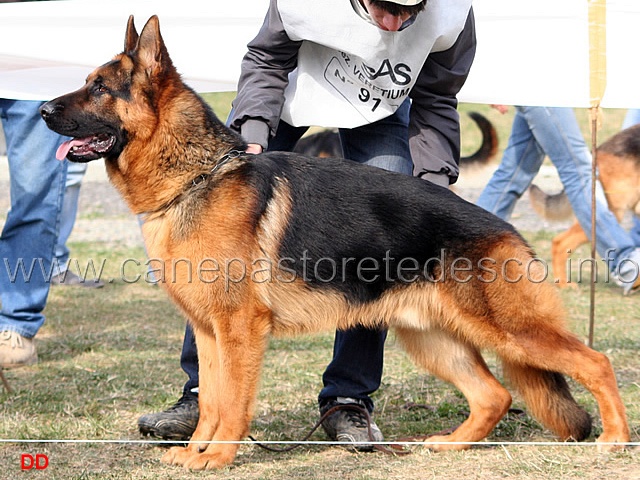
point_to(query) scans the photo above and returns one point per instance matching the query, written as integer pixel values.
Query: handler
(386, 73)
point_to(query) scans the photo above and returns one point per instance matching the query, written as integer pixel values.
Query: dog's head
(117, 102)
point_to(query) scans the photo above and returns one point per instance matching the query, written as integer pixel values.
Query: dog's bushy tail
(324, 143)
(549, 400)
(489, 147)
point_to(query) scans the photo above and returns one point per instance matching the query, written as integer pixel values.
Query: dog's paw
(176, 456)
(441, 443)
(612, 443)
(215, 456)
(208, 461)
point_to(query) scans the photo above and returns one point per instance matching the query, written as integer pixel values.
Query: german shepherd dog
(618, 172)
(293, 244)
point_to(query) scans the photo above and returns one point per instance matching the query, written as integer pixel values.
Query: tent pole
(597, 13)
(594, 112)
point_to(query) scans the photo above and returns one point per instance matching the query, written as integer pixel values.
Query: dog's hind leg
(230, 359)
(523, 322)
(548, 347)
(463, 366)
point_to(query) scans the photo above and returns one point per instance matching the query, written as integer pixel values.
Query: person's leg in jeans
(520, 163)
(556, 131)
(75, 172)
(635, 231)
(631, 118)
(61, 273)
(180, 420)
(31, 229)
(355, 370)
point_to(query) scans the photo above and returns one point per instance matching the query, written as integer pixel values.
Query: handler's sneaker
(350, 425)
(175, 423)
(627, 275)
(16, 350)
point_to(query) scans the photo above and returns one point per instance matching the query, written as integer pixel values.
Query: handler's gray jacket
(323, 63)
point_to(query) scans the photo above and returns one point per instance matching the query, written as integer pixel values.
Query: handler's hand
(254, 148)
(501, 108)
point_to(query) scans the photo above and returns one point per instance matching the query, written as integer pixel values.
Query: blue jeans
(358, 356)
(75, 173)
(29, 235)
(631, 118)
(540, 131)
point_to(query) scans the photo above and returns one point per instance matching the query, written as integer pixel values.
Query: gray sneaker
(350, 425)
(178, 422)
(70, 279)
(627, 274)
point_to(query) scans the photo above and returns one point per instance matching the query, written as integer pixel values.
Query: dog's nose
(50, 108)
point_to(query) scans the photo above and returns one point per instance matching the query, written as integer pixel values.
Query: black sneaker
(350, 425)
(175, 423)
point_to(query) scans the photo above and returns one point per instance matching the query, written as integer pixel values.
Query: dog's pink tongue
(63, 149)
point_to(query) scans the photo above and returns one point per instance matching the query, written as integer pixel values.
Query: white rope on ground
(326, 443)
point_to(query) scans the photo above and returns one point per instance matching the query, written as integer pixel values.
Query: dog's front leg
(229, 369)
(209, 373)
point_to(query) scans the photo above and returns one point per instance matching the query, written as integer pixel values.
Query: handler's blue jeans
(356, 368)
(30, 232)
(69, 210)
(540, 131)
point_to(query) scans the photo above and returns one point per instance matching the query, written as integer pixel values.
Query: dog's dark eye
(100, 88)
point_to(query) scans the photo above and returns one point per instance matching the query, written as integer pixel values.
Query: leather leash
(392, 450)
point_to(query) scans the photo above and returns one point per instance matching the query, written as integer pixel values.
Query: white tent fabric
(529, 53)
(537, 53)
(48, 48)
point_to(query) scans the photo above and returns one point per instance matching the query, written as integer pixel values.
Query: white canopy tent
(48, 48)
(529, 53)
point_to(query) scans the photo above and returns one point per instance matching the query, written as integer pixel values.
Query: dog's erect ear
(131, 37)
(151, 51)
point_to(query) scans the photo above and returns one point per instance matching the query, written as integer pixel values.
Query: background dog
(619, 173)
(279, 244)
(326, 143)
